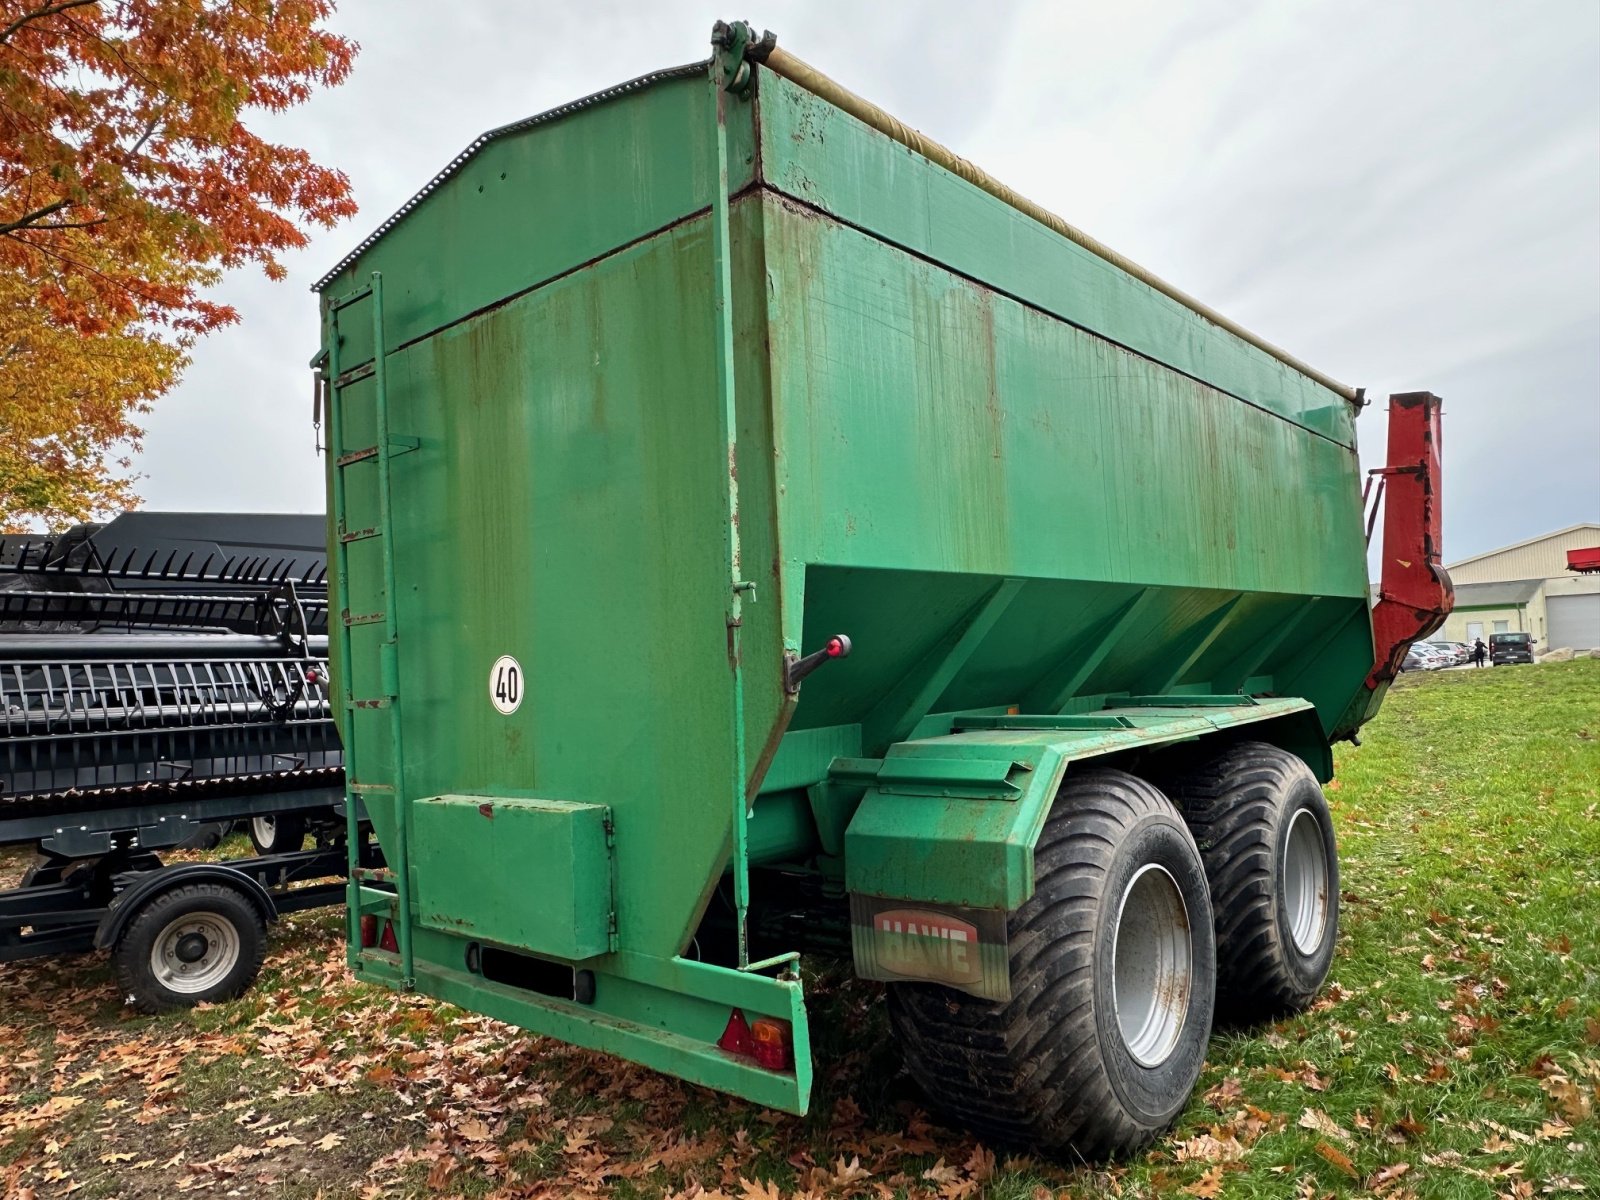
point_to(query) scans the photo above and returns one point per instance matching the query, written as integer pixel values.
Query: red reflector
(387, 942)
(735, 1038)
(369, 931)
(772, 1044)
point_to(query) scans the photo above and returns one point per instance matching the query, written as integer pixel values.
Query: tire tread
(1229, 805)
(1026, 1072)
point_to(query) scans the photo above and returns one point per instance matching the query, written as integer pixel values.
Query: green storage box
(542, 875)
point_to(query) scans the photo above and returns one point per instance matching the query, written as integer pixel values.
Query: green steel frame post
(722, 291)
(341, 632)
(388, 652)
(389, 662)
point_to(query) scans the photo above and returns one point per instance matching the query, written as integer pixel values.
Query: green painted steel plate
(530, 874)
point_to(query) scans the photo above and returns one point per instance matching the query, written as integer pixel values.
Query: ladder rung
(361, 293)
(374, 702)
(355, 456)
(370, 531)
(350, 618)
(397, 445)
(353, 375)
(363, 788)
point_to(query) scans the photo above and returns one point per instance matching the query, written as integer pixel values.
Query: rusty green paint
(1014, 476)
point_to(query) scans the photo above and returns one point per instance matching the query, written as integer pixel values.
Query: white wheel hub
(1305, 881)
(265, 829)
(194, 952)
(1152, 974)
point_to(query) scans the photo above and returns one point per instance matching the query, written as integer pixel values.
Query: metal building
(1527, 587)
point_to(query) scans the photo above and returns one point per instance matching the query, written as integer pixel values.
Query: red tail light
(773, 1044)
(387, 942)
(735, 1038)
(369, 931)
(768, 1041)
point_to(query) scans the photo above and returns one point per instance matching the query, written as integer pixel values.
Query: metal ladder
(358, 791)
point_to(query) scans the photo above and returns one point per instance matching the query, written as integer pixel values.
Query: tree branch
(49, 10)
(33, 218)
(70, 224)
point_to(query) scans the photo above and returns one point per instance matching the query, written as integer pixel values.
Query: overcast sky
(1406, 195)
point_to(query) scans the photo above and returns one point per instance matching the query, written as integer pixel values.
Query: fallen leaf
(939, 1173)
(1226, 1094)
(1321, 1122)
(1209, 1184)
(1387, 1175)
(1338, 1158)
(980, 1164)
(853, 1171)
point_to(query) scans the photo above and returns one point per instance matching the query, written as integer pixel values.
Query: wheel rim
(194, 952)
(265, 829)
(1305, 881)
(1152, 973)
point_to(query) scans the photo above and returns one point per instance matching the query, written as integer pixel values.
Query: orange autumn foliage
(129, 181)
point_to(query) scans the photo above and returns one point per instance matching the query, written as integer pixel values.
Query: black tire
(1050, 1068)
(277, 833)
(1242, 806)
(222, 916)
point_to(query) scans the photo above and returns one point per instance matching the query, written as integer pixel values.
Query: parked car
(1458, 652)
(1424, 657)
(1507, 648)
(1431, 658)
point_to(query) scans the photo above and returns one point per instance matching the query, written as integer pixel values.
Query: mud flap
(897, 941)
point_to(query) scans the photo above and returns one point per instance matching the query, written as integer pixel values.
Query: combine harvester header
(163, 676)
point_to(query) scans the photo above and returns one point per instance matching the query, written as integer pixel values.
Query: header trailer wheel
(190, 944)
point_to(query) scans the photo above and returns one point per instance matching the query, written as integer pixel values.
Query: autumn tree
(129, 182)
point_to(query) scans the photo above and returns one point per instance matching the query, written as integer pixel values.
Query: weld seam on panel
(767, 186)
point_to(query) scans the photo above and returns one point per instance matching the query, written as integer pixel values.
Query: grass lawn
(1454, 1053)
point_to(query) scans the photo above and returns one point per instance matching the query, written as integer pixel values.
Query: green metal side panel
(824, 157)
(934, 438)
(953, 819)
(534, 204)
(562, 847)
(568, 455)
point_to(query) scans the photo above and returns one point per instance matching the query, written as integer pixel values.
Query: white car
(1456, 652)
(1433, 658)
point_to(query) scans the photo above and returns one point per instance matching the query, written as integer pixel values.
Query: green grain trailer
(757, 529)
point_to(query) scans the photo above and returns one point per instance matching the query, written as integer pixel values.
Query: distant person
(1479, 652)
